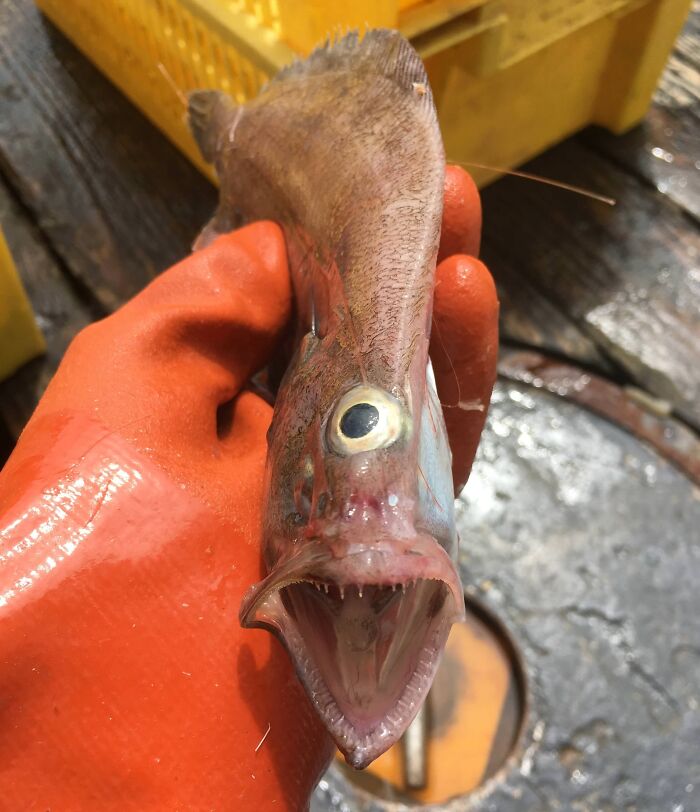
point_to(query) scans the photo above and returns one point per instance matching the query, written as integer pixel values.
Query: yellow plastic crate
(20, 338)
(510, 77)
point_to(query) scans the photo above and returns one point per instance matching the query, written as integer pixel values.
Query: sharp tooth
(317, 585)
(403, 588)
(342, 593)
(393, 587)
(325, 586)
(359, 590)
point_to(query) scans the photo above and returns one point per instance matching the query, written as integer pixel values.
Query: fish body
(344, 151)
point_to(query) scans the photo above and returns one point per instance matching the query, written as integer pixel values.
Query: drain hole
(474, 718)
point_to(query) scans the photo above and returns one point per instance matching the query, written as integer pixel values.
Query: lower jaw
(367, 672)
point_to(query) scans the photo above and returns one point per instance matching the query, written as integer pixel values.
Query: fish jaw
(365, 624)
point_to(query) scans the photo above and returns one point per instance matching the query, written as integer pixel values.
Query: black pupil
(359, 420)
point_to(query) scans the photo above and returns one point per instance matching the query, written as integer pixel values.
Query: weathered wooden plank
(117, 201)
(665, 148)
(59, 309)
(626, 276)
(527, 316)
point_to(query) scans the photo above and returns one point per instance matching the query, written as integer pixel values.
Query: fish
(343, 150)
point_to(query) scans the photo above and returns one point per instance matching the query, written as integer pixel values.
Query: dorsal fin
(383, 51)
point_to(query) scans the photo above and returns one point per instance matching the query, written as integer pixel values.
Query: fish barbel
(344, 151)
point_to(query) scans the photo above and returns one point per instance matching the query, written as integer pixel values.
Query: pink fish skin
(344, 151)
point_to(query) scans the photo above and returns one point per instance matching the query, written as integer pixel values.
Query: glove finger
(186, 343)
(464, 352)
(461, 215)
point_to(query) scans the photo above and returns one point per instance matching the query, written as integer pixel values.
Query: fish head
(360, 545)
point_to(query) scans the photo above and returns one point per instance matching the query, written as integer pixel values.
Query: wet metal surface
(586, 543)
(630, 409)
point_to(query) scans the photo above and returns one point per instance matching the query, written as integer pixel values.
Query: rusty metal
(640, 416)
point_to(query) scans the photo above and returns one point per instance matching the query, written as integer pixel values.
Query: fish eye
(365, 419)
(359, 420)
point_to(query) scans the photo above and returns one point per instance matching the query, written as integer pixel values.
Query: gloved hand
(464, 339)
(129, 531)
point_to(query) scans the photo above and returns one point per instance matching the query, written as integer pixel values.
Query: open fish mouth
(365, 629)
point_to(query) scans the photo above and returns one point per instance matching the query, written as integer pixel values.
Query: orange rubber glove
(464, 340)
(129, 531)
